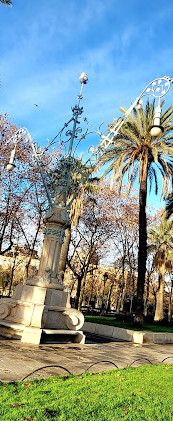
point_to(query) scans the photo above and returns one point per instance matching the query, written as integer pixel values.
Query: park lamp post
(57, 217)
(42, 305)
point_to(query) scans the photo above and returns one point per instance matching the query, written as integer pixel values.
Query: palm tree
(80, 183)
(136, 153)
(6, 2)
(161, 243)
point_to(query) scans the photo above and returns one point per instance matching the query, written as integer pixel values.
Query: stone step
(11, 329)
(60, 332)
(62, 336)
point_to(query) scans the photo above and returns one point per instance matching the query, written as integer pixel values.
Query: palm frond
(153, 177)
(6, 2)
(134, 150)
(169, 206)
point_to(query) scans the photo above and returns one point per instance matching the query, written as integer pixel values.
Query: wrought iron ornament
(157, 88)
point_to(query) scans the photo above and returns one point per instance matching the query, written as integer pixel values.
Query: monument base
(35, 313)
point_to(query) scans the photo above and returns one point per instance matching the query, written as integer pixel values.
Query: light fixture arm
(10, 166)
(39, 165)
(157, 88)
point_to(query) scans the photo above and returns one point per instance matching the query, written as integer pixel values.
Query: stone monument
(41, 307)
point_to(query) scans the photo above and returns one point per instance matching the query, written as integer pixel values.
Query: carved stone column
(56, 221)
(41, 307)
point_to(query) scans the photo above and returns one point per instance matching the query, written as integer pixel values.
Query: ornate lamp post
(42, 306)
(57, 218)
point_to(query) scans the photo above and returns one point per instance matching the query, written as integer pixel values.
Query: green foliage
(143, 393)
(4, 276)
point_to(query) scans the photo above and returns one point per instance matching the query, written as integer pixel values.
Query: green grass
(155, 327)
(133, 394)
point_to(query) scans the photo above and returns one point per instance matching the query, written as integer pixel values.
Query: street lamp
(57, 218)
(156, 129)
(42, 304)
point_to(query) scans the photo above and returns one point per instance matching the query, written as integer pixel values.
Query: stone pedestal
(35, 310)
(41, 307)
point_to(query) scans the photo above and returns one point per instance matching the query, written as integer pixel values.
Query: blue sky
(45, 45)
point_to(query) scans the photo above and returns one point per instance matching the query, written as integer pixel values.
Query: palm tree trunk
(142, 252)
(147, 296)
(159, 298)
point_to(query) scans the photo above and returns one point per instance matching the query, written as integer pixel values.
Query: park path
(17, 360)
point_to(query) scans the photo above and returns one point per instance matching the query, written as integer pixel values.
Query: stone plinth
(35, 309)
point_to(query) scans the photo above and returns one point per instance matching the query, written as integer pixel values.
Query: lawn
(155, 327)
(132, 394)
